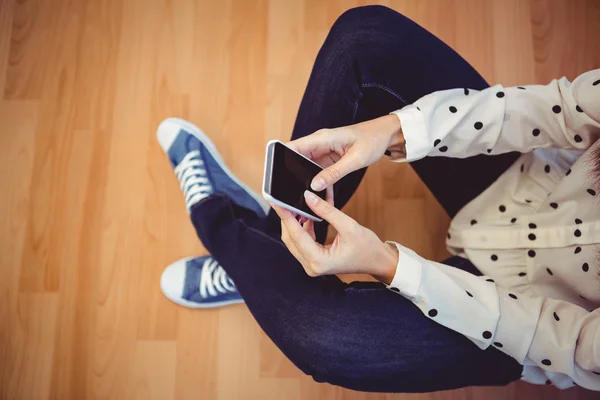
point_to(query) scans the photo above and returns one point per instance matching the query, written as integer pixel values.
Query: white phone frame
(268, 174)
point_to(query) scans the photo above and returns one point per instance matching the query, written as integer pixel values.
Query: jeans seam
(356, 103)
(384, 88)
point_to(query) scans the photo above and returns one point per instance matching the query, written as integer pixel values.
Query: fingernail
(318, 184)
(310, 197)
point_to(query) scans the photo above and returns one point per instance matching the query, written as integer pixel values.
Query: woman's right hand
(341, 151)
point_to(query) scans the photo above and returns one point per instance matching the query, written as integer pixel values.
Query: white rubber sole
(192, 304)
(167, 133)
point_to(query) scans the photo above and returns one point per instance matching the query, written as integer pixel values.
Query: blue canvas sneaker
(200, 168)
(199, 282)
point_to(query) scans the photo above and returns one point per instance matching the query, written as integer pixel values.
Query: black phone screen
(291, 176)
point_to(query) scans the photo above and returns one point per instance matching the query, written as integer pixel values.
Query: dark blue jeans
(360, 335)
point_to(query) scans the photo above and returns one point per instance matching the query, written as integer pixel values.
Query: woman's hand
(343, 150)
(355, 249)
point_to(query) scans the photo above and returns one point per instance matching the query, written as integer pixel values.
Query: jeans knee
(361, 27)
(362, 13)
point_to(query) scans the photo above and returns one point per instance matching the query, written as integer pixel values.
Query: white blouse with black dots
(534, 233)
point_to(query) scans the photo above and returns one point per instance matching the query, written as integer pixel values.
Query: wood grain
(90, 212)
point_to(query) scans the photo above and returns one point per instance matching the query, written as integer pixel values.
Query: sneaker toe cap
(167, 133)
(172, 280)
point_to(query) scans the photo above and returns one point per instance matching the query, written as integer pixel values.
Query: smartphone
(287, 175)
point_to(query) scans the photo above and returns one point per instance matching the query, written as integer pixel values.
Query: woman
(519, 298)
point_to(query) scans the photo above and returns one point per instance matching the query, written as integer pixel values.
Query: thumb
(340, 221)
(335, 172)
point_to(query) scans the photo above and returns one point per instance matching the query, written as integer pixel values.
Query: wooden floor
(90, 211)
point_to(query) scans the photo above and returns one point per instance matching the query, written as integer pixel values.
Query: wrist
(396, 147)
(386, 266)
(394, 130)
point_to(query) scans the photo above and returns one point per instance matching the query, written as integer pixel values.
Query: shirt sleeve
(465, 122)
(553, 337)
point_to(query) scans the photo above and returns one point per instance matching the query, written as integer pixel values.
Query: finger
(340, 221)
(302, 220)
(285, 237)
(313, 145)
(309, 226)
(350, 162)
(300, 238)
(329, 196)
(281, 212)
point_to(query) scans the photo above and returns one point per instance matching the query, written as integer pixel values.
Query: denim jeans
(360, 335)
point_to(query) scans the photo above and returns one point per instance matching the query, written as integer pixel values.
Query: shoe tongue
(193, 272)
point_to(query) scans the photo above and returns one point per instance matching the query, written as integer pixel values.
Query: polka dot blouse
(534, 233)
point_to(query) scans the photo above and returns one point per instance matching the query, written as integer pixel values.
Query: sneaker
(198, 282)
(200, 168)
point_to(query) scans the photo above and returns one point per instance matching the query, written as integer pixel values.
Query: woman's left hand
(355, 250)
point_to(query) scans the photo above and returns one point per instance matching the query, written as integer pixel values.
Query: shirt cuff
(407, 278)
(414, 131)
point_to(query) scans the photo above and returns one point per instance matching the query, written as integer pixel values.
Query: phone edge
(267, 195)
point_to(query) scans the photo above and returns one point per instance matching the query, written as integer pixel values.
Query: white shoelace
(192, 178)
(214, 279)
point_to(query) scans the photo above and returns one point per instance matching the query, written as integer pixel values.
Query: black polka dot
(532, 226)
(394, 289)
(466, 91)
(436, 142)
(478, 125)
(577, 249)
(494, 257)
(595, 373)
(418, 108)
(444, 149)
(545, 361)
(432, 313)
(452, 109)
(486, 334)
(592, 192)
(502, 208)
(549, 271)
(548, 382)
(585, 267)
(500, 95)
(470, 295)
(531, 236)
(568, 172)
(578, 139)
(547, 169)
(520, 87)
(473, 221)
(498, 344)
(527, 201)
(556, 109)
(522, 167)
(554, 205)
(513, 220)
(578, 221)
(522, 274)
(449, 237)
(556, 316)
(489, 280)
(531, 253)
(578, 109)
(577, 233)
(596, 83)
(535, 132)
(512, 296)
(489, 151)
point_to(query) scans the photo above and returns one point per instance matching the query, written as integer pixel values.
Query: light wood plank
(91, 212)
(156, 370)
